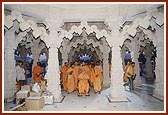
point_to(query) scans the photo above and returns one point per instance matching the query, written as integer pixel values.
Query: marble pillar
(148, 53)
(9, 66)
(106, 79)
(135, 49)
(160, 66)
(159, 85)
(53, 75)
(117, 92)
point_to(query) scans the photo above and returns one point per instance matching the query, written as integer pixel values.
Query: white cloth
(20, 73)
(36, 88)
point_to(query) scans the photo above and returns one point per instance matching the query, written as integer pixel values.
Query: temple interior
(53, 34)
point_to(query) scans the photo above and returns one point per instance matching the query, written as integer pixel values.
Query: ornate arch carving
(83, 27)
(146, 24)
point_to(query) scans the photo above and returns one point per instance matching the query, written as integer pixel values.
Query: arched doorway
(142, 51)
(31, 50)
(85, 39)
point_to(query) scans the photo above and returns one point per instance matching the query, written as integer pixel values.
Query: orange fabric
(76, 74)
(98, 80)
(129, 71)
(63, 76)
(37, 70)
(92, 75)
(84, 78)
(125, 76)
(70, 80)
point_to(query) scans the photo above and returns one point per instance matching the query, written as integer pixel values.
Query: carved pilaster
(135, 49)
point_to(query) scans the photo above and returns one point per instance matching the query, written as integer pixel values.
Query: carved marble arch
(83, 37)
(30, 44)
(95, 53)
(140, 42)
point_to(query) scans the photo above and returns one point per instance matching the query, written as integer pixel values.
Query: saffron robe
(70, 80)
(129, 72)
(76, 74)
(63, 76)
(37, 73)
(83, 84)
(98, 79)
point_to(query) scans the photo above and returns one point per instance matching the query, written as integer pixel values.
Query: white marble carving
(160, 19)
(78, 30)
(8, 21)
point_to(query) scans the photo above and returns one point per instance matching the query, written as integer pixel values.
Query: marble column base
(59, 100)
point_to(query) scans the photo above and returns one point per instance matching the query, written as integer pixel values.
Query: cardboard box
(22, 94)
(32, 94)
(26, 87)
(22, 108)
(34, 103)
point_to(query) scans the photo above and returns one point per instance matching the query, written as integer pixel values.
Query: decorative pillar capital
(53, 24)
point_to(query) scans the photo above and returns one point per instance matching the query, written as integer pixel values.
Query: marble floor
(138, 101)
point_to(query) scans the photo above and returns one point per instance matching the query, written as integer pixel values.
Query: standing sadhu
(63, 70)
(37, 73)
(98, 78)
(76, 73)
(126, 80)
(70, 79)
(130, 74)
(83, 84)
(91, 73)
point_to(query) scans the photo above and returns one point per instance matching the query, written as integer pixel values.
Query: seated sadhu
(37, 73)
